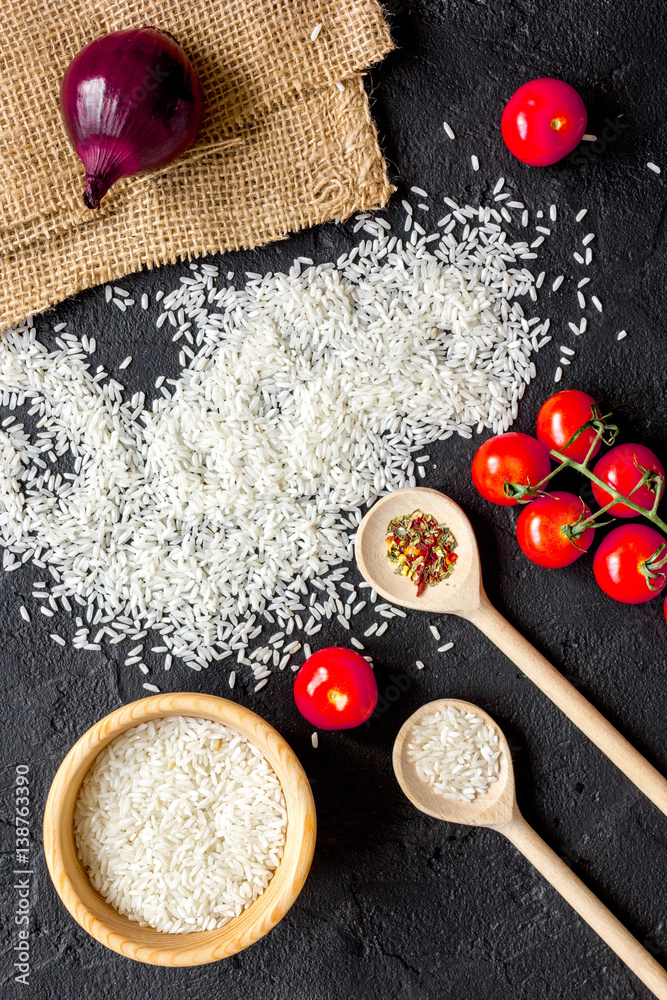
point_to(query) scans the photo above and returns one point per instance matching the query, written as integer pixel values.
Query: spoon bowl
(493, 808)
(462, 594)
(497, 808)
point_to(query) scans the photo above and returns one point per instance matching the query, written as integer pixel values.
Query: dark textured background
(398, 905)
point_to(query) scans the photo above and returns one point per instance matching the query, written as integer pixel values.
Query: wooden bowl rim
(144, 944)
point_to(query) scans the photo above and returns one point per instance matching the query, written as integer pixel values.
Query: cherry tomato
(560, 417)
(539, 533)
(516, 457)
(619, 560)
(618, 469)
(336, 689)
(543, 121)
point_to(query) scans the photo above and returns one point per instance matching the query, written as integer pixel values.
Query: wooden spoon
(463, 594)
(497, 809)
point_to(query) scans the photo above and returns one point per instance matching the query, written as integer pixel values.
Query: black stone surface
(398, 905)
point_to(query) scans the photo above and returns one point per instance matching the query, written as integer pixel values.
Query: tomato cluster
(555, 528)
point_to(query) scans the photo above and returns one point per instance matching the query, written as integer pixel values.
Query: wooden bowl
(126, 936)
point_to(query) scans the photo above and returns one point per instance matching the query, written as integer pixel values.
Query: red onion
(130, 101)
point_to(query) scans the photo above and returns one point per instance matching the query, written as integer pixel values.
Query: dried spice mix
(421, 549)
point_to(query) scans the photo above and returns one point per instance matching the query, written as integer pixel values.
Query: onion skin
(130, 101)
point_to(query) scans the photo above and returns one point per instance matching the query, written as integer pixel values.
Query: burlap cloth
(281, 146)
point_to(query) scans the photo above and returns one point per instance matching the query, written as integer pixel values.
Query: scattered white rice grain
(475, 162)
(566, 350)
(57, 638)
(559, 374)
(553, 213)
(127, 361)
(558, 282)
(219, 417)
(419, 191)
(419, 664)
(588, 238)
(449, 130)
(435, 633)
(144, 301)
(589, 255)
(596, 302)
(315, 32)
(355, 642)
(654, 167)
(621, 334)
(588, 137)
(23, 611)
(580, 214)
(581, 299)
(448, 645)
(577, 256)
(584, 281)
(314, 741)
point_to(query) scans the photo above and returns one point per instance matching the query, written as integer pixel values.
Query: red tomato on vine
(561, 417)
(629, 564)
(514, 457)
(540, 530)
(619, 468)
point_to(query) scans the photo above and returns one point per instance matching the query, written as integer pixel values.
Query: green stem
(618, 497)
(592, 518)
(594, 443)
(658, 494)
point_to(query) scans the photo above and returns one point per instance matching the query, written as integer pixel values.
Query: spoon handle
(570, 701)
(586, 903)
